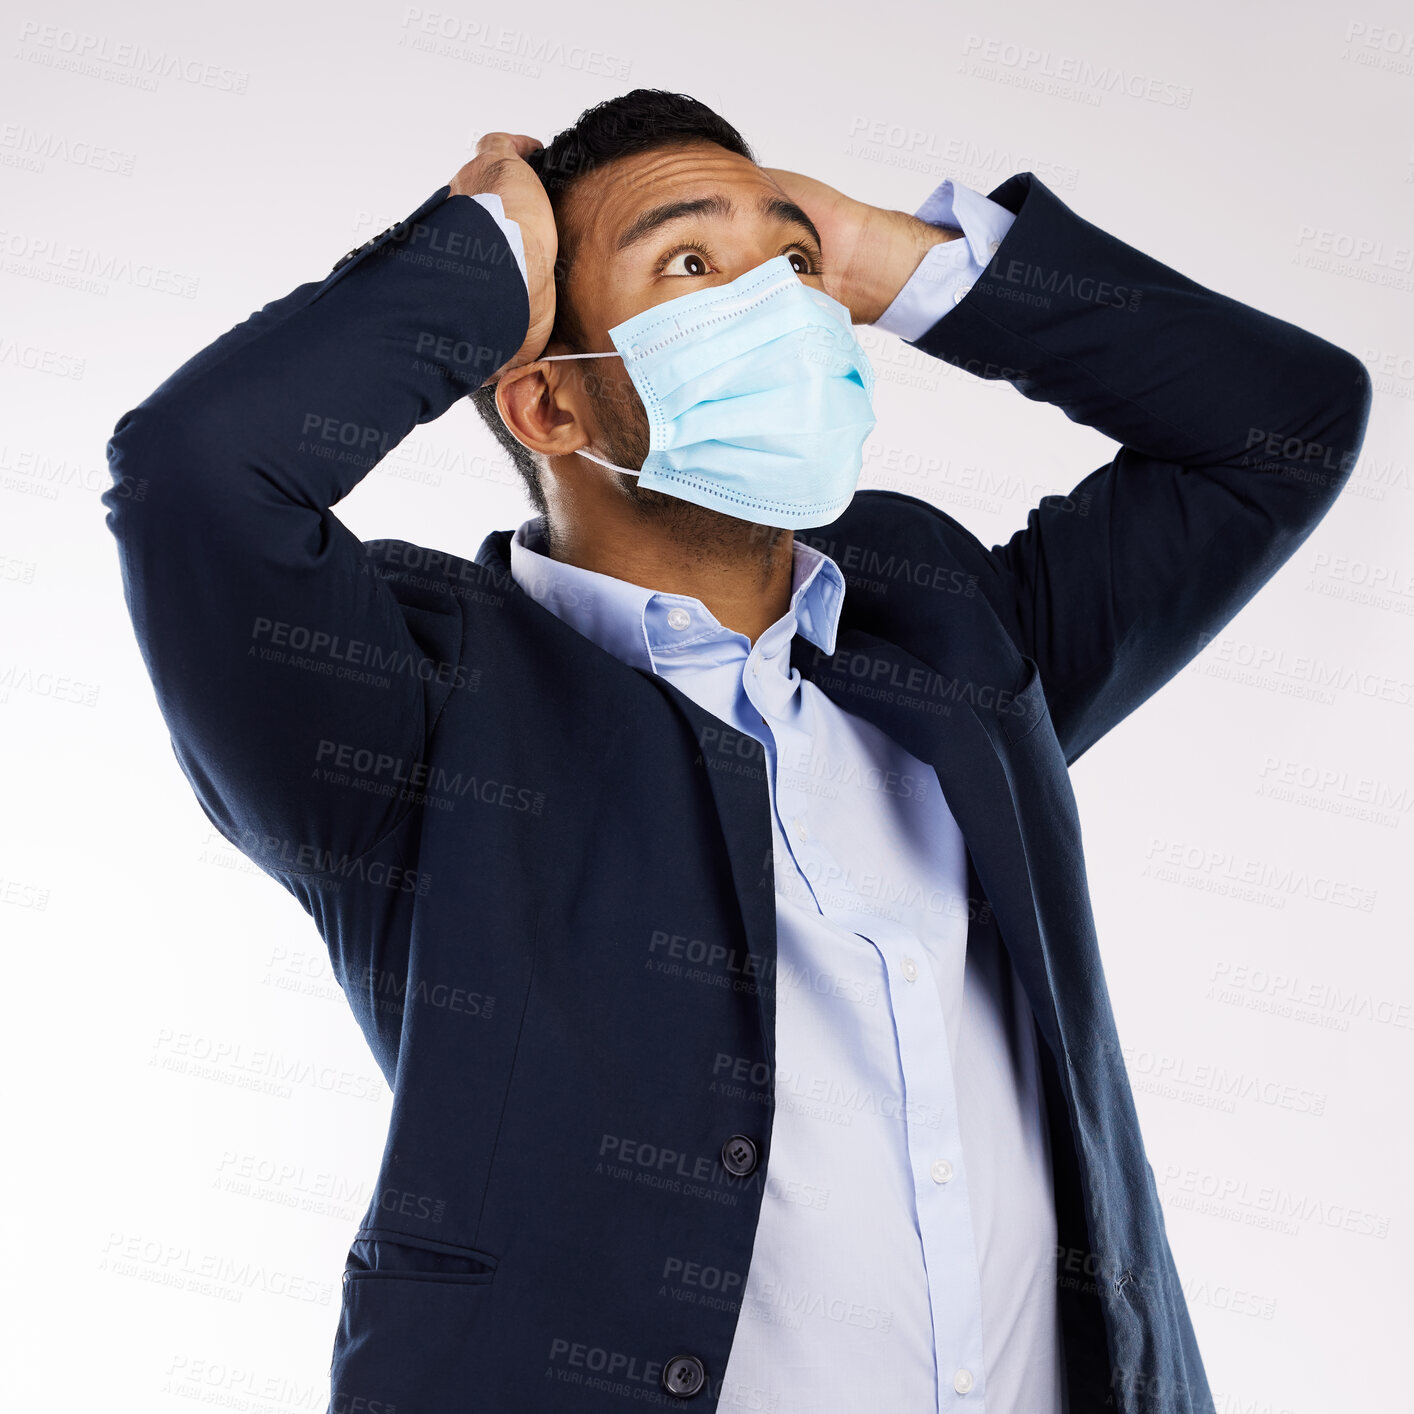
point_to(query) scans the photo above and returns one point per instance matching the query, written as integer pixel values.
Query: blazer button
(344, 260)
(683, 1376)
(739, 1155)
(359, 249)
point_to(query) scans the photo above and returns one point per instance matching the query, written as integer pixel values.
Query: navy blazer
(503, 833)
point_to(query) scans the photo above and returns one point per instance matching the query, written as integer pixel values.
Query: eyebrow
(719, 205)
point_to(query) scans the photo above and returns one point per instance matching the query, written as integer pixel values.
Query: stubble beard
(702, 535)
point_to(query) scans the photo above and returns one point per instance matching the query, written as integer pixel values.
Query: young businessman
(700, 860)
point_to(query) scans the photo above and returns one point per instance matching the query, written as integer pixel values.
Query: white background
(277, 137)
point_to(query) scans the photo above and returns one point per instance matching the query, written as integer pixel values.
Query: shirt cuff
(510, 229)
(950, 268)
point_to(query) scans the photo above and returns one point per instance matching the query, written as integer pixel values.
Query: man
(709, 886)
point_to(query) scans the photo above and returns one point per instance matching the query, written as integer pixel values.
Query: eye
(686, 261)
(802, 261)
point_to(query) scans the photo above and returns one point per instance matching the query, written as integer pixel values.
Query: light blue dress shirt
(905, 1255)
(949, 269)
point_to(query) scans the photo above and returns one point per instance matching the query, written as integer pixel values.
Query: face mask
(758, 395)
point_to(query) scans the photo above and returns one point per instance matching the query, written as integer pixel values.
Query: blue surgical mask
(758, 395)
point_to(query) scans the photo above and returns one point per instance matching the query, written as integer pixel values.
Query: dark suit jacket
(498, 827)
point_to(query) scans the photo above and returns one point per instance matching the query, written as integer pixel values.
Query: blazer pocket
(413, 1326)
(378, 1254)
(1027, 706)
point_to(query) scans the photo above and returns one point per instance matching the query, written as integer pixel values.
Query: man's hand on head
(500, 167)
(869, 252)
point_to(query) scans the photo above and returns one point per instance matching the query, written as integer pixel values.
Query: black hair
(640, 121)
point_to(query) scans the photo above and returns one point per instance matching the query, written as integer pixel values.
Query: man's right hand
(500, 167)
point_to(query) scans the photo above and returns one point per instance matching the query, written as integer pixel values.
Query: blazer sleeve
(292, 679)
(1237, 431)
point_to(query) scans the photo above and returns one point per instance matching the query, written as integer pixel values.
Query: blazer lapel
(947, 723)
(735, 765)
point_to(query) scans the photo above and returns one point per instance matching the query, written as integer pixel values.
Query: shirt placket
(943, 1210)
(939, 1172)
(772, 700)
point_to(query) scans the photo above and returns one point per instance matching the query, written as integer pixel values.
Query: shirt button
(910, 969)
(994, 246)
(961, 293)
(800, 830)
(941, 1171)
(962, 1381)
(739, 1155)
(679, 618)
(684, 1375)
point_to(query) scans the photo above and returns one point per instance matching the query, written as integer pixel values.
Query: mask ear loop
(613, 353)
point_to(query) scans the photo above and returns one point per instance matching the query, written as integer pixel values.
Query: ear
(540, 409)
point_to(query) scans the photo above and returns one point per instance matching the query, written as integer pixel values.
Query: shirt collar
(631, 621)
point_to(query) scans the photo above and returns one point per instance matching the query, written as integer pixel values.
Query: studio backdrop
(194, 1119)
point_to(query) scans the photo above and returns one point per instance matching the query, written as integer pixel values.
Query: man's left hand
(869, 251)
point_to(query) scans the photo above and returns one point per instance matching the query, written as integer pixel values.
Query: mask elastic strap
(613, 466)
(613, 353)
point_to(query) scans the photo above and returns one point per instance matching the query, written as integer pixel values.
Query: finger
(501, 144)
(783, 178)
(496, 145)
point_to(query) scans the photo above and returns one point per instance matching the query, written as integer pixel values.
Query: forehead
(605, 202)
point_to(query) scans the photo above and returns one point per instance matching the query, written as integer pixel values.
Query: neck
(741, 571)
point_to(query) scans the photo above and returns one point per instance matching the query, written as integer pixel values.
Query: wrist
(890, 260)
